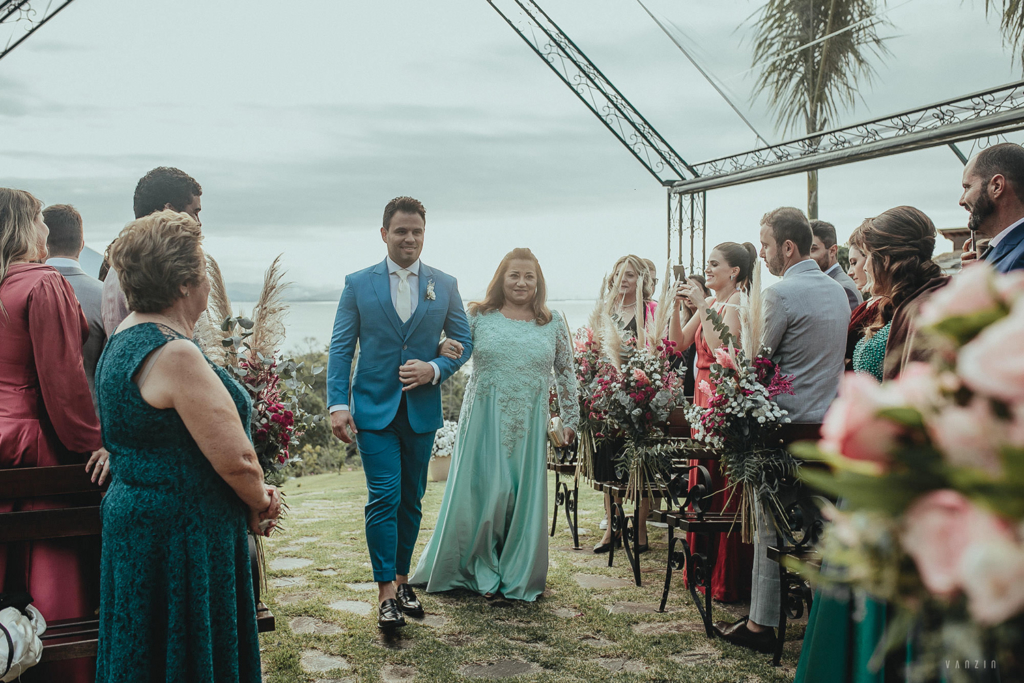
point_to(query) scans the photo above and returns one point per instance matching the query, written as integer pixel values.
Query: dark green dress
(176, 596)
(843, 628)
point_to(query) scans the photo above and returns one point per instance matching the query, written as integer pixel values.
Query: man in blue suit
(395, 311)
(993, 185)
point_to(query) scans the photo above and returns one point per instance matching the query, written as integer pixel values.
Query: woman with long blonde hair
(629, 302)
(491, 534)
(46, 414)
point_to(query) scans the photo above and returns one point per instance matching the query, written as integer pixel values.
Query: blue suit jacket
(1009, 253)
(366, 314)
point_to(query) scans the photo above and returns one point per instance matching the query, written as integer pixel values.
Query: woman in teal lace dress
(176, 592)
(844, 629)
(491, 534)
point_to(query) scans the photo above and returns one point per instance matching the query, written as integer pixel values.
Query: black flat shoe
(605, 547)
(408, 602)
(389, 616)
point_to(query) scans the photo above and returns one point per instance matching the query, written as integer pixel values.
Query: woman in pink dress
(728, 274)
(46, 417)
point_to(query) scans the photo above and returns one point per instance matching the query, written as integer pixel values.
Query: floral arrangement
(444, 440)
(633, 401)
(249, 349)
(931, 469)
(740, 422)
(586, 360)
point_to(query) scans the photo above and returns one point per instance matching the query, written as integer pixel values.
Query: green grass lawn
(569, 634)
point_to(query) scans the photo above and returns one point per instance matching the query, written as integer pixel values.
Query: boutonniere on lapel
(430, 290)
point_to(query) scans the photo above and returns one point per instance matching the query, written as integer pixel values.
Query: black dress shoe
(408, 602)
(390, 616)
(641, 549)
(737, 633)
(605, 547)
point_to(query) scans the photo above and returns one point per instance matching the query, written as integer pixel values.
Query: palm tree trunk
(812, 195)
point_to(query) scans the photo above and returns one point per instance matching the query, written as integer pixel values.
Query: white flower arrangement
(444, 440)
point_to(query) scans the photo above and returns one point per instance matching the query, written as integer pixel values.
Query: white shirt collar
(61, 262)
(834, 266)
(999, 238)
(394, 267)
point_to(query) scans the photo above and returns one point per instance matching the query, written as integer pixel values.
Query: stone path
(591, 624)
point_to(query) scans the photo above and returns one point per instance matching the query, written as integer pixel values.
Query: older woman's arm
(182, 379)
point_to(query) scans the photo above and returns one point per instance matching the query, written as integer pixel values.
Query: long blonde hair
(18, 210)
(495, 297)
(645, 278)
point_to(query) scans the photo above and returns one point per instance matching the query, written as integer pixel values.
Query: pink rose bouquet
(931, 470)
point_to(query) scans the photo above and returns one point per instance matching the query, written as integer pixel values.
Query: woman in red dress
(727, 275)
(46, 416)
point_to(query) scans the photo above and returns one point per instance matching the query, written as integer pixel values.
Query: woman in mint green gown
(491, 532)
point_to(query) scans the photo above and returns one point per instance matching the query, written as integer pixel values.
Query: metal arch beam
(986, 113)
(20, 14)
(594, 89)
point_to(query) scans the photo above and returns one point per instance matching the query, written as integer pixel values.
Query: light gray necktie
(403, 304)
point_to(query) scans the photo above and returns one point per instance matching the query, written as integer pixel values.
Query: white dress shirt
(414, 290)
(63, 262)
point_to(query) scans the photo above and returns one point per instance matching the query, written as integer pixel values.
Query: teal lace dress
(843, 628)
(176, 594)
(491, 532)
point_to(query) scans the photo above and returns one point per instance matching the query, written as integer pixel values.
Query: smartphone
(679, 272)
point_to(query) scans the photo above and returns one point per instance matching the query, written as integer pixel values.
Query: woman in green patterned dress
(176, 592)
(844, 629)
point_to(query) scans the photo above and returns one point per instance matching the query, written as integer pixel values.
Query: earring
(187, 292)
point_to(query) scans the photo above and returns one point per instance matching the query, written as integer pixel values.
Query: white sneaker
(603, 525)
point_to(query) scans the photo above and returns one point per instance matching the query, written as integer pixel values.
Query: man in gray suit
(825, 252)
(65, 244)
(806, 317)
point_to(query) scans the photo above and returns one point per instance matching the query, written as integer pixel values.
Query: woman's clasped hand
(262, 522)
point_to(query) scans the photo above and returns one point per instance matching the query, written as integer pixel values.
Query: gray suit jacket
(856, 298)
(806, 317)
(89, 291)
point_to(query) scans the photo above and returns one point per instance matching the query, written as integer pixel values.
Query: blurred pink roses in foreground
(941, 529)
(993, 363)
(853, 428)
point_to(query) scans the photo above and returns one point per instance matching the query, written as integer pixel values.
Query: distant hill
(245, 291)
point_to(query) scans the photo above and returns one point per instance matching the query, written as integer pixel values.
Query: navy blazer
(1009, 253)
(367, 315)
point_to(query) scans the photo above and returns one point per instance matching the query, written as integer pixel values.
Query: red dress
(46, 418)
(731, 577)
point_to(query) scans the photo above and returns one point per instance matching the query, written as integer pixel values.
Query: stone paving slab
(600, 582)
(352, 606)
(288, 581)
(315, 661)
(659, 628)
(362, 587)
(397, 674)
(286, 563)
(314, 625)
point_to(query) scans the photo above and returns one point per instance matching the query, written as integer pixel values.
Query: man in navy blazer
(396, 311)
(993, 193)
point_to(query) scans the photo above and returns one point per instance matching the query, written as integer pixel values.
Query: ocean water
(309, 323)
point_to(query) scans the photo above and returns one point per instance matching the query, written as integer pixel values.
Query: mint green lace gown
(491, 532)
(176, 594)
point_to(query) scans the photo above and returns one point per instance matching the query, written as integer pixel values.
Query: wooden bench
(70, 638)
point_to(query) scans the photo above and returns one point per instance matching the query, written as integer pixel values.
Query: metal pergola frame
(984, 114)
(22, 13)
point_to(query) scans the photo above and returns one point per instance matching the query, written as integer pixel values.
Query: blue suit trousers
(395, 462)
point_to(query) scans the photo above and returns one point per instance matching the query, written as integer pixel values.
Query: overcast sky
(302, 119)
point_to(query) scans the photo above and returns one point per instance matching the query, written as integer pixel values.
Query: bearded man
(993, 194)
